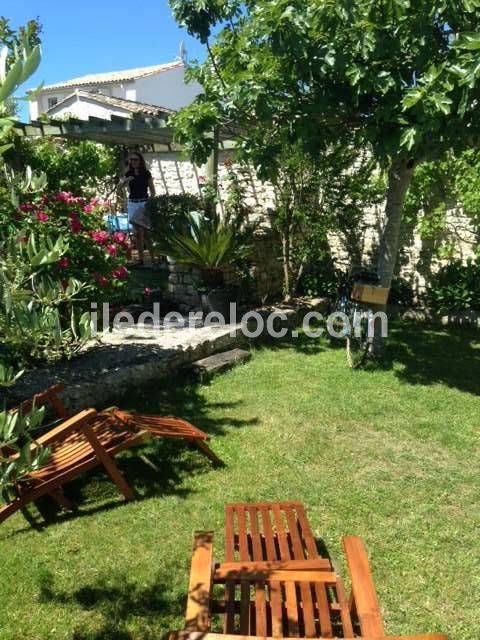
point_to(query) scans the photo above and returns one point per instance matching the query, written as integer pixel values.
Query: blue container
(117, 222)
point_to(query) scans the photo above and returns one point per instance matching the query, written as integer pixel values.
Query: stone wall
(417, 257)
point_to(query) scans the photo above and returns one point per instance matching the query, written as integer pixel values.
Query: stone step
(219, 362)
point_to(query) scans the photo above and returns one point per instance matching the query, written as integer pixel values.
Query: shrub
(80, 166)
(94, 257)
(456, 286)
(169, 214)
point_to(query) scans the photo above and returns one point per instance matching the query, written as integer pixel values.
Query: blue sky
(92, 36)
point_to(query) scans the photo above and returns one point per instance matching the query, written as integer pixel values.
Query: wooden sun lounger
(276, 585)
(91, 438)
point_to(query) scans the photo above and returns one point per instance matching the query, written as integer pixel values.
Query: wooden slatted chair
(275, 584)
(90, 438)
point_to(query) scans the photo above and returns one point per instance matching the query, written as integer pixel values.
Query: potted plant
(211, 244)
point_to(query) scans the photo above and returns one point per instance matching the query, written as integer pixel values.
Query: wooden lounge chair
(91, 438)
(274, 584)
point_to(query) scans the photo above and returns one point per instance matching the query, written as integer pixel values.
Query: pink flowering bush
(95, 256)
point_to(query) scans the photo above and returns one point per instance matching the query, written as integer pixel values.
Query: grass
(390, 454)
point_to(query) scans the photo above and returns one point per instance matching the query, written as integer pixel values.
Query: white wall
(167, 89)
(83, 108)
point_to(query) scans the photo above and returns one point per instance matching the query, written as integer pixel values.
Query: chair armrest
(197, 617)
(363, 589)
(50, 397)
(67, 427)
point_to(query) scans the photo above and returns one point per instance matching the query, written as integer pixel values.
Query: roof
(132, 106)
(116, 76)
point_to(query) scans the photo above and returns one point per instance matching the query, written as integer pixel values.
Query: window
(52, 102)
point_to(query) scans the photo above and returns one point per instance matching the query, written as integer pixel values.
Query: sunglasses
(134, 160)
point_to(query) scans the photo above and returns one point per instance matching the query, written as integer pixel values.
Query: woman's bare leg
(140, 242)
(149, 243)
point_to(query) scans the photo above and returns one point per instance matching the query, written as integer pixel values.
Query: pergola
(150, 133)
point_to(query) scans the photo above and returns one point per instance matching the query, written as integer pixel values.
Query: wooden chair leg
(110, 466)
(60, 498)
(205, 449)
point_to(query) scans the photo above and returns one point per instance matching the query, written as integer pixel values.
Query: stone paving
(129, 357)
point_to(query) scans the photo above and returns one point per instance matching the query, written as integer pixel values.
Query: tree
(404, 75)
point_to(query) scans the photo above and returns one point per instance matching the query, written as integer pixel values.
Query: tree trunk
(286, 261)
(399, 178)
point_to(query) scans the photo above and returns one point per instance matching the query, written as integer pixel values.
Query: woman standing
(140, 182)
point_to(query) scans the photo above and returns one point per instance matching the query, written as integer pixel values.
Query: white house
(118, 93)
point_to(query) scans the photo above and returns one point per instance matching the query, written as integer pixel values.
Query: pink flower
(75, 224)
(120, 274)
(102, 280)
(63, 196)
(147, 291)
(94, 201)
(63, 262)
(64, 284)
(119, 237)
(201, 179)
(26, 207)
(100, 237)
(112, 250)
(88, 208)
(42, 217)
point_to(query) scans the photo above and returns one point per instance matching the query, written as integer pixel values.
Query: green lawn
(391, 455)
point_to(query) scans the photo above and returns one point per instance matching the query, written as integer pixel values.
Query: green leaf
(12, 80)
(31, 64)
(468, 41)
(408, 138)
(442, 102)
(412, 97)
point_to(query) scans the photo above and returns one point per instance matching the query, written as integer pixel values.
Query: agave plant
(211, 245)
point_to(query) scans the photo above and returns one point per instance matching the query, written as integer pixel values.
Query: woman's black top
(138, 187)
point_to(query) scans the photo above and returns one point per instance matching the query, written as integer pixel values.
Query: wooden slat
(344, 610)
(268, 534)
(366, 601)
(255, 533)
(242, 534)
(292, 608)
(245, 607)
(198, 603)
(274, 587)
(324, 577)
(281, 533)
(229, 621)
(221, 636)
(260, 597)
(260, 609)
(306, 594)
(323, 611)
(224, 568)
(306, 533)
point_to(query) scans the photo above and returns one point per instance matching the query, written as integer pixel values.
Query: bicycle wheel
(358, 342)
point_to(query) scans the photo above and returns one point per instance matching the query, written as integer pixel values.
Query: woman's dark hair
(143, 167)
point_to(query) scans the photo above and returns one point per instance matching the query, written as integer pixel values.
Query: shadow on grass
(121, 603)
(299, 343)
(430, 354)
(157, 468)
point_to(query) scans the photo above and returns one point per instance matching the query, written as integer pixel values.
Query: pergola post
(212, 172)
